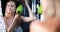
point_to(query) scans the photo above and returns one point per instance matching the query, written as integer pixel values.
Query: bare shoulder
(36, 26)
(36, 23)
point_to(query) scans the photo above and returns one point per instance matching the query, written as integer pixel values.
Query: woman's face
(10, 8)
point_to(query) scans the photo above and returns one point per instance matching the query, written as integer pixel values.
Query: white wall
(2, 24)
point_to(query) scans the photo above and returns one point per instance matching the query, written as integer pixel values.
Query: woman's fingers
(16, 16)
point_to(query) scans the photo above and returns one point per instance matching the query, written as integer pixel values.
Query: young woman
(10, 14)
(11, 18)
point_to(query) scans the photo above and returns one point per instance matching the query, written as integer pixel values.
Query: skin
(49, 25)
(57, 5)
(52, 20)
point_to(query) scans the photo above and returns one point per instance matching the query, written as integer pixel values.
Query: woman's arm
(14, 24)
(31, 16)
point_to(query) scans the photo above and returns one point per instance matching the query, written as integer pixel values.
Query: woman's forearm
(31, 16)
(29, 9)
(13, 25)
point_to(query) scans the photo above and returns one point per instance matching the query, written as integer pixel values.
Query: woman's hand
(16, 16)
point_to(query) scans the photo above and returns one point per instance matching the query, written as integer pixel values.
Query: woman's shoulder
(35, 23)
(37, 26)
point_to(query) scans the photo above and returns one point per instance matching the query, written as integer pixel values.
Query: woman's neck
(9, 15)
